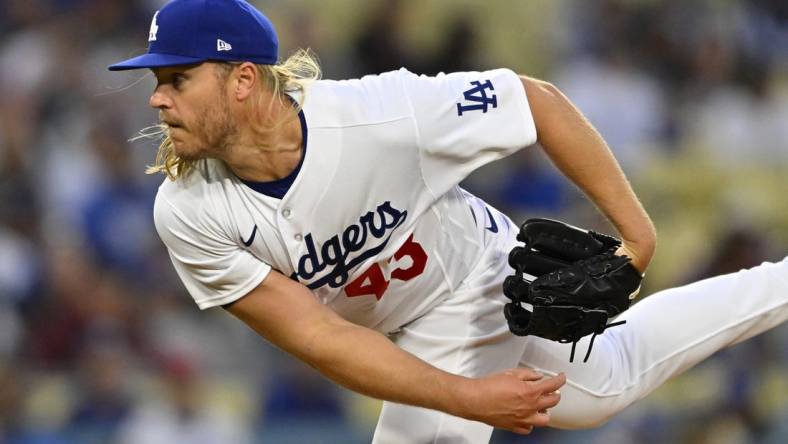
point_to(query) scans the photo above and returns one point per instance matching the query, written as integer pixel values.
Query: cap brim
(153, 60)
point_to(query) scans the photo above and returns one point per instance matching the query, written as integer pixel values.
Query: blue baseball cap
(184, 32)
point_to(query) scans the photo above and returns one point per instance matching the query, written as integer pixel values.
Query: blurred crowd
(99, 342)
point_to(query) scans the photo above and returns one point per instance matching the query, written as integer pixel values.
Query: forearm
(580, 153)
(287, 314)
(356, 357)
(367, 362)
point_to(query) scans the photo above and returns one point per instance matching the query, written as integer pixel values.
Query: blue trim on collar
(279, 187)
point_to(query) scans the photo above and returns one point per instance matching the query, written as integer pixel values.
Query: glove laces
(591, 344)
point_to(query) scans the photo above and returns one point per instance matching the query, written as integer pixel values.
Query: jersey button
(298, 237)
(286, 213)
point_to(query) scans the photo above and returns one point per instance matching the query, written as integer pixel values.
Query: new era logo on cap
(221, 45)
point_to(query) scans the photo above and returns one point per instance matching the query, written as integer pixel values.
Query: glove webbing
(519, 274)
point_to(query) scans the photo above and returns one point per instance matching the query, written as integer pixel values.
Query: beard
(212, 134)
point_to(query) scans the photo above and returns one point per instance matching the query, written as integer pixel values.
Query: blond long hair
(291, 76)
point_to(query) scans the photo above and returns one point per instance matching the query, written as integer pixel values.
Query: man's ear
(246, 77)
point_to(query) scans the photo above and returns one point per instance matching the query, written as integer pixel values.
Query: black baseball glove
(573, 280)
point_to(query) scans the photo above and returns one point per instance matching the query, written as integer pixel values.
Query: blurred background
(99, 342)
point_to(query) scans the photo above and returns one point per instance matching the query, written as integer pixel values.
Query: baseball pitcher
(327, 216)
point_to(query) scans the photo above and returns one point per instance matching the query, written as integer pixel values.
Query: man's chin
(186, 152)
(191, 157)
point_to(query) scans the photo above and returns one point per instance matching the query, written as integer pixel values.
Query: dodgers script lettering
(336, 250)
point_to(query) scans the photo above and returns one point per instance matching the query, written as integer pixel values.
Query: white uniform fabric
(665, 334)
(383, 159)
(376, 225)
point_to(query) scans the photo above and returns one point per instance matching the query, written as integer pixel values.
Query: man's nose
(159, 100)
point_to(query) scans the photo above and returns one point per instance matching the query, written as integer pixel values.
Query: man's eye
(177, 80)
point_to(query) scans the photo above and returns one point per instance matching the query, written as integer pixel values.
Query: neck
(262, 156)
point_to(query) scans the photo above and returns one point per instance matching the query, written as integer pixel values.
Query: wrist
(640, 254)
(460, 392)
(640, 246)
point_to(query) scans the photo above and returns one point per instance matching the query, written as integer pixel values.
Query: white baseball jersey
(374, 221)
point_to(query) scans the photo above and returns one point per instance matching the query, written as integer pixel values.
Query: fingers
(548, 401)
(551, 384)
(523, 430)
(539, 419)
(545, 385)
(538, 394)
(525, 374)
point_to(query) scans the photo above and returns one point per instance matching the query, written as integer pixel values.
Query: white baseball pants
(665, 334)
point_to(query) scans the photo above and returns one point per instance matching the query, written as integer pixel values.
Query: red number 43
(374, 282)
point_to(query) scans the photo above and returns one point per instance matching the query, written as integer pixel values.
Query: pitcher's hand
(515, 400)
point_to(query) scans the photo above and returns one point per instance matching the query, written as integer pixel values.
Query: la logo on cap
(154, 28)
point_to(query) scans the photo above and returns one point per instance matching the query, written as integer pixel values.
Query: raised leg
(665, 334)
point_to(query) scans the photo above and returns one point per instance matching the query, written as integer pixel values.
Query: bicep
(554, 114)
(286, 313)
(545, 100)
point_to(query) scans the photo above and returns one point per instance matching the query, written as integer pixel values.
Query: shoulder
(366, 100)
(194, 199)
(208, 177)
(445, 99)
(403, 89)
(187, 189)
(369, 84)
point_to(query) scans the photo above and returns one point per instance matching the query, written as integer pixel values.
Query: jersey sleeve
(465, 120)
(213, 268)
